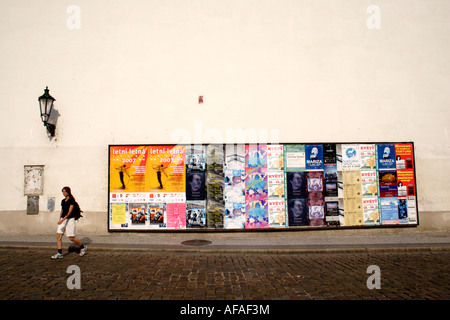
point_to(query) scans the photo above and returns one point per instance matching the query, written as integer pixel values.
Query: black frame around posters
(261, 187)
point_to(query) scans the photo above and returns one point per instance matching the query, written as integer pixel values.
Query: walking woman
(67, 223)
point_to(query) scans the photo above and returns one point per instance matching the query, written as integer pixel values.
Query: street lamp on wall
(46, 106)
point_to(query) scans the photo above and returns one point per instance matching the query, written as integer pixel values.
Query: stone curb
(205, 249)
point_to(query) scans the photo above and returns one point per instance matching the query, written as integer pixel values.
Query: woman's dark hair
(69, 192)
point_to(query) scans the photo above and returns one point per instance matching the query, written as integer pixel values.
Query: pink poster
(176, 215)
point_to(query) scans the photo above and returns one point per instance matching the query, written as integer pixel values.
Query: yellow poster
(127, 169)
(118, 213)
(166, 169)
(147, 169)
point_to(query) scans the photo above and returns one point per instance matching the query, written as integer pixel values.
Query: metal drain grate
(196, 243)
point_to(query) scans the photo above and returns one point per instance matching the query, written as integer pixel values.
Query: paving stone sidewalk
(105, 275)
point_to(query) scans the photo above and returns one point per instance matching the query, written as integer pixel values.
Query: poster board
(261, 186)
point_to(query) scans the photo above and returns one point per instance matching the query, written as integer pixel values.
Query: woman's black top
(66, 205)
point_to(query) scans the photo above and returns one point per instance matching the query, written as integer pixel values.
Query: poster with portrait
(297, 212)
(195, 186)
(386, 156)
(296, 184)
(314, 157)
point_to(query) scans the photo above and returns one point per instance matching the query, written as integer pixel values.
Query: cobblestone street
(31, 274)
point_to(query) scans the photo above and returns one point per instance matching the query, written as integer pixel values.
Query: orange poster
(127, 168)
(166, 169)
(147, 169)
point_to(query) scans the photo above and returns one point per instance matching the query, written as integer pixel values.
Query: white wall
(312, 71)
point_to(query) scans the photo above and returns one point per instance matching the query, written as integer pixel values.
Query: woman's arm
(67, 216)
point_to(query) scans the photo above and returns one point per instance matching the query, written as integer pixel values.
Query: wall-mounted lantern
(46, 106)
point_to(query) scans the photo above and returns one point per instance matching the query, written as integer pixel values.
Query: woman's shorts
(68, 227)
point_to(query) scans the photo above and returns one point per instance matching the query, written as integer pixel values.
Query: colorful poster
(370, 210)
(257, 214)
(195, 158)
(165, 169)
(329, 153)
(275, 180)
(234, 215)
(259, 186)
(195, 186)
(138, 214)
(234, 189)
(402, 210)
(314, 181)
(256, 156)
(128, 168)
(235, 157)
(256, 186)
(195, 214)
(118, 213)
(296, 184)
(330, 181)
(277, 212)
(412, 210)
(316, 212)
(157, 213)
(215, 185)
(176, 215)
(353, 211)
(389, 210)
(275, 157)
(404, 157)
(387, 180)
(332, 213)
(314, 156)
(369, 183)
(294, 157)
(297, 212)
(234, 185)
(351, 157)
(386, 156)
(406, 183)
(368, 156)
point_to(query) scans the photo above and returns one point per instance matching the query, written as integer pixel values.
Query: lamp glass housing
(46, 105)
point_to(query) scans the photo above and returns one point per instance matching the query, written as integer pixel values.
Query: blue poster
(386, 156)
(314, 156)
(389, 210)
